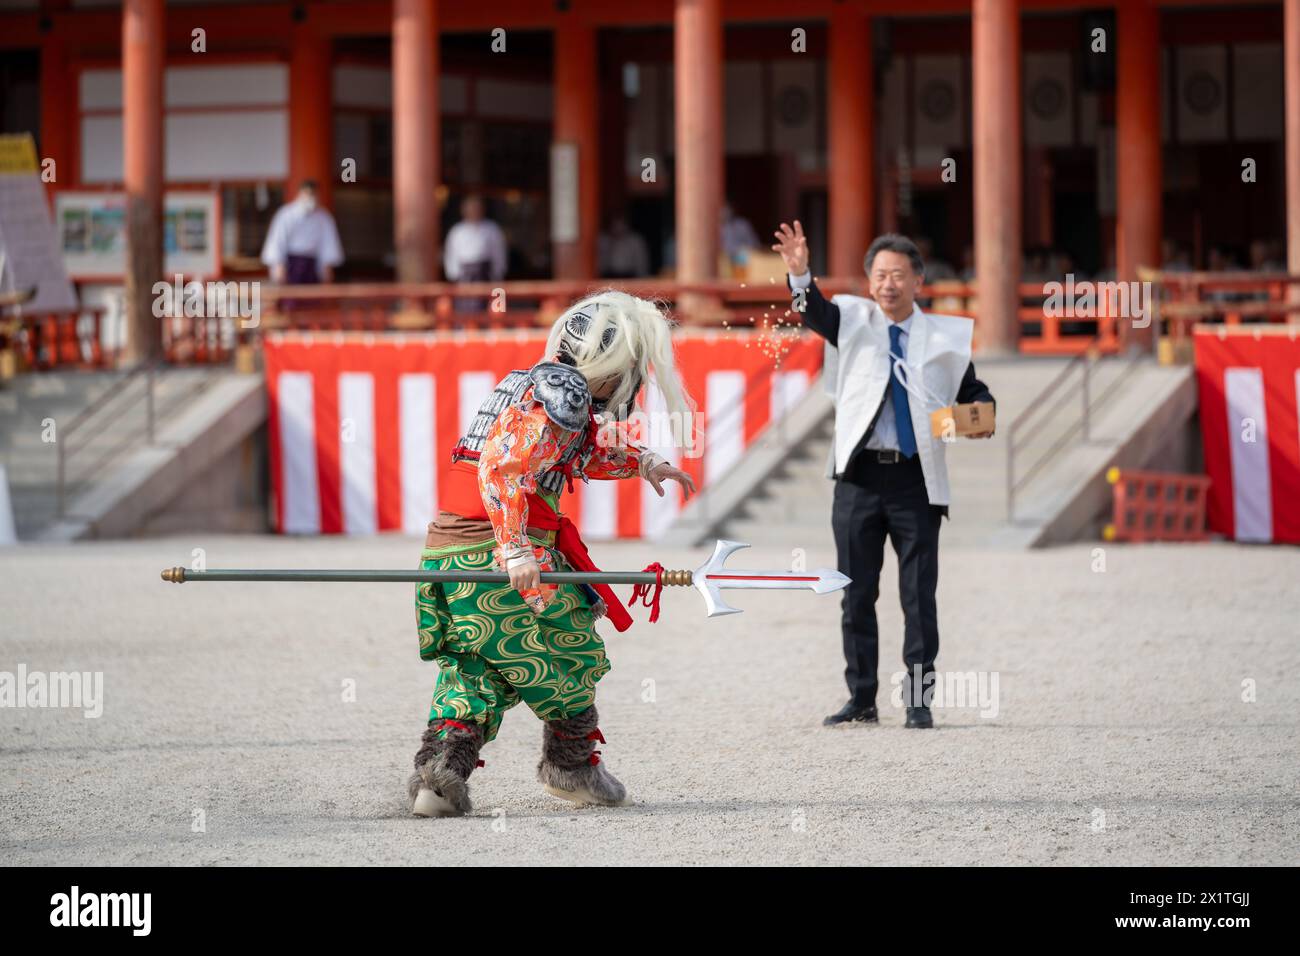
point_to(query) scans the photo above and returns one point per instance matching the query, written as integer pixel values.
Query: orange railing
(205, 340)
(526, 304)
(1093, 329)
(1179, 300)
(1232, 298)
(442, 306)
(49, 340)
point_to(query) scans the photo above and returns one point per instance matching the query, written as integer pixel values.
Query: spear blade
(712, 576)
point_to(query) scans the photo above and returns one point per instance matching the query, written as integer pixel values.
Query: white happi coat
(858, 369)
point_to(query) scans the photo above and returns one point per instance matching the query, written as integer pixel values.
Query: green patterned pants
(493, 651)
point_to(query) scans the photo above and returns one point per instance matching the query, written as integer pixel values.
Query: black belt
(865, 458)
(886, 457)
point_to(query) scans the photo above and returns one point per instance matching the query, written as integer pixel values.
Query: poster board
(92, 234)
(565, 225)
(29, 248)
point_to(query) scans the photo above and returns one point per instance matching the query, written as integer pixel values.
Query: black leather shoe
(851, 713)
(919, 717)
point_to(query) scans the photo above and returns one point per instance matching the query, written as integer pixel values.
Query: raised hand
(793, 247)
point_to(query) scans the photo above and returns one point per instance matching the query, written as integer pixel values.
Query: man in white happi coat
(891, 480)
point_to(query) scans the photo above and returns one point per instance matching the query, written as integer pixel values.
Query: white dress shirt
(481, 241)
(301, 230)
(885, 435)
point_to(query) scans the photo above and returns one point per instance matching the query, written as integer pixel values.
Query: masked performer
(497, 644)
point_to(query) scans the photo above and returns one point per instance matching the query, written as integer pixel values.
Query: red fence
(1157, 506)
(755, 304)
(1233, 298)
(57, 340)
(1053, 318)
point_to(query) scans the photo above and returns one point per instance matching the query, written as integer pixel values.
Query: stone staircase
(787, 500)
(98, 418)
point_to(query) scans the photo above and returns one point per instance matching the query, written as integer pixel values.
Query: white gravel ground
(1121, 734)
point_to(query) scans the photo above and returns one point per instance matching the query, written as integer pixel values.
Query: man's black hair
(311, 184)
(893, 242)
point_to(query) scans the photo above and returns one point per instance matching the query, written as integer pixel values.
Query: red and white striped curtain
(1249, 382)
(361, 427)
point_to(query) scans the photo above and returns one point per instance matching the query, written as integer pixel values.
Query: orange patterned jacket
(522, 444)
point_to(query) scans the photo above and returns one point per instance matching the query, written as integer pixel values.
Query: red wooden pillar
(577, 93)
(852, 119)
(697, 69)
(58, 102)
(1291, 56)
(416, 139)
(1138, 184)
(143, 52)
(311, 122)
(996, 116)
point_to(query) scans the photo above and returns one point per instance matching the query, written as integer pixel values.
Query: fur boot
(571, 768)
(439, 787)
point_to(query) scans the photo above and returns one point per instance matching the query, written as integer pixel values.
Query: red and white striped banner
(1249, 385)
(362, 426)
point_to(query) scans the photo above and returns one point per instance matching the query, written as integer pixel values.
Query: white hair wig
(613, 336)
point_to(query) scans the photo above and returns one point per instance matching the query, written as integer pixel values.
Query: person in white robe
(475, 248)
(302, 246)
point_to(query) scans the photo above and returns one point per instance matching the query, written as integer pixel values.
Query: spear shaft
(185, 575)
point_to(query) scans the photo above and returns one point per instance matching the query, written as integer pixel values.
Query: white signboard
(564, 192)
(29, 249)
(92, 234)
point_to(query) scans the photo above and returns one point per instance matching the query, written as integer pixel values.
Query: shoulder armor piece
(564, 394)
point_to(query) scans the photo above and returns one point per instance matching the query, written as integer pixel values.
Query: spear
(709, 578)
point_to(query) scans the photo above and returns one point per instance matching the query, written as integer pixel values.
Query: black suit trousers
(875, 501)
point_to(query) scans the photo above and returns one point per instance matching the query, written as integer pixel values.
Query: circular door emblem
(938, 100)
(1202, 93)
(793, 106)
(1047, 99)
